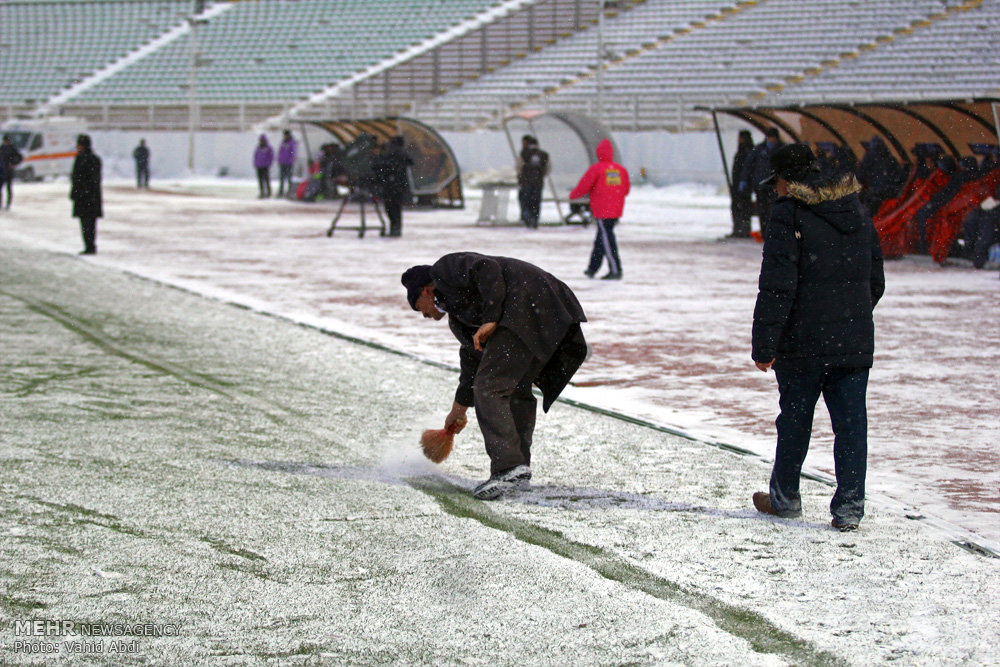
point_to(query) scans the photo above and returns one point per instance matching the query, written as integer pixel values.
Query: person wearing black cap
(85, 191)
(516, 325)
(10, 157)
(820, 278)
(741, 196)
(533, 166)
(755, 173)
(393, 181)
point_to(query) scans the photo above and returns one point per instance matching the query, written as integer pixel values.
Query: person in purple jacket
(286, 158)
(263, 157)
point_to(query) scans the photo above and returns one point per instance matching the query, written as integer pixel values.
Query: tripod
(362, 196)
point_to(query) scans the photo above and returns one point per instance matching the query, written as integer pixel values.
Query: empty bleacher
(460, 64)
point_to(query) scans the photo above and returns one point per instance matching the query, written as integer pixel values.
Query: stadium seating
(460, 64)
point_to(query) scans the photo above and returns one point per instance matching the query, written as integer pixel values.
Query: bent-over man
(516, 325)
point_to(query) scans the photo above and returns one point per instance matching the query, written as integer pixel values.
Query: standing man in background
(286, 159)
(263, 158)
(533, 166)
(393, 181)
(10, 157)
(607, 184)
(141, 157)
(86, 193)
(820, 278)
(756, 171)
(741, 196)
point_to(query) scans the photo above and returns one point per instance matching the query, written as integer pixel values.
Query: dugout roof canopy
(953, 124)
(435, 177)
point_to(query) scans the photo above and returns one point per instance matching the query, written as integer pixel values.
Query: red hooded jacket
(607, 184)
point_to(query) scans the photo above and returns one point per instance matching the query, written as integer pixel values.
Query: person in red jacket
(607, 184)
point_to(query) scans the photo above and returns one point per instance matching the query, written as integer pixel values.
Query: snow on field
(247, 486)
(671, 341)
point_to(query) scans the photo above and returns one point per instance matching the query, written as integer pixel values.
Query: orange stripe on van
(49, 156)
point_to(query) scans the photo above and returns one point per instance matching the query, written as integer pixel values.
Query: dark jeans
(88, 229)
(741, 207)
(530, 198)
(6, 181)
(765, 202)
(264, 181)
(284, 179)
(605, 245)
(141, 176)
(844, 391)
(505, 406)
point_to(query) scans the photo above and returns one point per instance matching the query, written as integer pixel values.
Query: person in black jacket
(141, 157)
(393, 182)
(533, 166)
(85, 192)
(516, 325)
(755, 172)
(10, 157)
(740, 198)
(820, 278)
(879, 173)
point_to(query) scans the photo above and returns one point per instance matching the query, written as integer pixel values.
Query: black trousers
(284, 179)
(264, 181)
(741, 208)
(530, 198)
(142, 176)
(394, 211)
(6, 181)
(505, 406)
(765, 202)
(88, 228)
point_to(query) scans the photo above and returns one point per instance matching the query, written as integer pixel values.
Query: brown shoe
(762, 501)
(845, 526)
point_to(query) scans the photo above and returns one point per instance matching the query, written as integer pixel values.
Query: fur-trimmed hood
(835, 200)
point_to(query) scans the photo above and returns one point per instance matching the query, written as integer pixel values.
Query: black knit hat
(793, 162)
(415, 279)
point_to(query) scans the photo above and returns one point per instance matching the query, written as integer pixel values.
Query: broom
(437, 442)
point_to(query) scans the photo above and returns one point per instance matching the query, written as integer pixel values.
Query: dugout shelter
(955, 125)
(435, 178)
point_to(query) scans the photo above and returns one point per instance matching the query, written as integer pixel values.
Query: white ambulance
(48, 145)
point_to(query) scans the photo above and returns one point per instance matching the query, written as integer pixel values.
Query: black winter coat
(758, 166)
(390, 173)
(536, 306)
(86, 186)
(817, 292)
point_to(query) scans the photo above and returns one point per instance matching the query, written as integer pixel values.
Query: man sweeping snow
(517, 325)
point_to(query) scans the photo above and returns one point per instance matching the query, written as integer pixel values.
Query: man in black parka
(755, 172)
(393, 181)
(86, 192)
(517, 325)
(820, 278)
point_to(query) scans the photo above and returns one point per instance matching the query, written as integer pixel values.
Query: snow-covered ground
(671, 341)
(223, 487)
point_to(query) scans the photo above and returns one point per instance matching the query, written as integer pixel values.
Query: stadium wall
(667, 158)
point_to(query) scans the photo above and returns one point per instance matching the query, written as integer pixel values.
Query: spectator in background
(879, 174)
(741, 196)
(756, 171)
(286, 159)
(982, 229)
(141, 157)
(10, 157)
(85, 192)
(607, 184)
(263, 158)
(532, 167)
(393, 181)
(820, 248)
